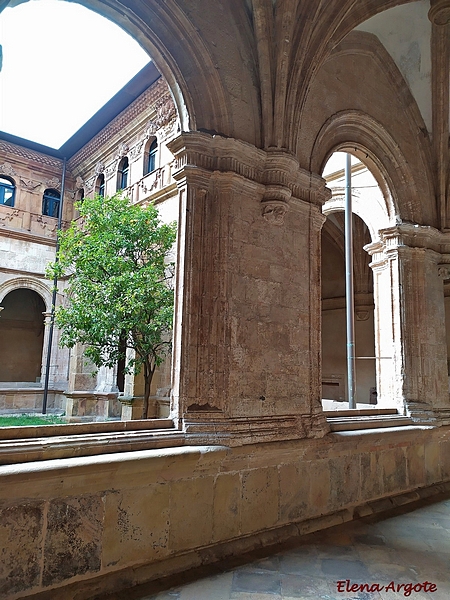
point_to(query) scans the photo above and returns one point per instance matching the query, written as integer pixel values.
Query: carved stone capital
(439, 13)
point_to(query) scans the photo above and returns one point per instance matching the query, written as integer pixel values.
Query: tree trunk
(148, 376)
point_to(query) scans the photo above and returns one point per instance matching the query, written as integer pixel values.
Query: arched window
(50, 203)
(100, 185)
(7, 191)
(150, 157)
(122, 175)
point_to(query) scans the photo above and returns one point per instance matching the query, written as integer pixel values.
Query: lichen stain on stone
(20, 547)
(128, 530)
(73, 543)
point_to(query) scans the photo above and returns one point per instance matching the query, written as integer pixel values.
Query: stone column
(410, 322)
(246, 360)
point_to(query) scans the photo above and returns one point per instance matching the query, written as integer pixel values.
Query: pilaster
(410, 322)
(246, 363)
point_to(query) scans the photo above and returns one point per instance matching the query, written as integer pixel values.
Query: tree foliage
(120, 292)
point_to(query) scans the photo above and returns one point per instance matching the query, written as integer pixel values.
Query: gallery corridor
(405, 553)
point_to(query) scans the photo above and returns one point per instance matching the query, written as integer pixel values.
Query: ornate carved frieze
(8, 216)
(165, 114)
(136, 150)
(30, 184)
(149, 184)
(279, 171)
(122, 150)
(99, 168)
(111, 169)
(89, 184)
(54, 183)
(47, 224)
(7, 169)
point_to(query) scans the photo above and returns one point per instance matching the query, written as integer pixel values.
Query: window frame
(123, 172)
(54, 198)
(150, 154)
(6, 183)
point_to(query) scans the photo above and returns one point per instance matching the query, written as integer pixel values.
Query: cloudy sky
(61, 63)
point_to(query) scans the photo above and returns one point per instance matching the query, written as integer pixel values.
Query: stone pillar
(246, 359)
(80, 371)
(410, 322)
(47, 323)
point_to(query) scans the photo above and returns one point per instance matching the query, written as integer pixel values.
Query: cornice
(277, 170)
(27, 154)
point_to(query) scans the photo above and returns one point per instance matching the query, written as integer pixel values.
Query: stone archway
(22, 324)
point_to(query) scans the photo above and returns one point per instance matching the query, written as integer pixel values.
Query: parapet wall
(77, 527)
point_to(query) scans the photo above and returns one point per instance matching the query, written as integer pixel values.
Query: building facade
(130, 154)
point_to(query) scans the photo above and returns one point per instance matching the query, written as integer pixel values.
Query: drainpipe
(349, 285)
(55, 283)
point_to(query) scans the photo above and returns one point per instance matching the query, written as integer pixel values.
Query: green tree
(120, 292)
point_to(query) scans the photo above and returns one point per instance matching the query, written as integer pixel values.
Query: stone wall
(76, 527)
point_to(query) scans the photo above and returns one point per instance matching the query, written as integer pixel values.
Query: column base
(213, 428)
(421, 412)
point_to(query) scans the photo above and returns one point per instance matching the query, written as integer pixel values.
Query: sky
(61, 63)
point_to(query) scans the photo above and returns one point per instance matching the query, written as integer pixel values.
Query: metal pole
(55, 284)
(349, 295)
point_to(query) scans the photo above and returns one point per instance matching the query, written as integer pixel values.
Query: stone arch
(27, 283)
(366, 137)
(22, 324)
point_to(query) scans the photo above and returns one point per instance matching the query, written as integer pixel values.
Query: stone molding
(37, 286)
(279, 171)
(27, 154)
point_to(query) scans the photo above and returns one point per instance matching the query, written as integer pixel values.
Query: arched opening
(22, 324)
(123, 174)
(50, 203)
(123, 169)
(369, 215)
(100, 185)
(150, 155)
(7, 191)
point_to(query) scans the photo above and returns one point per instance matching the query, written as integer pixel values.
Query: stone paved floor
(409, 548)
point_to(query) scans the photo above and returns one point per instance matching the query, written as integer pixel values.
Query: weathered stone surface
(227, 506)
(295, 480)
(191, 517)
(21, 539)
(73, 543)
(136, 526)
(260, 494)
